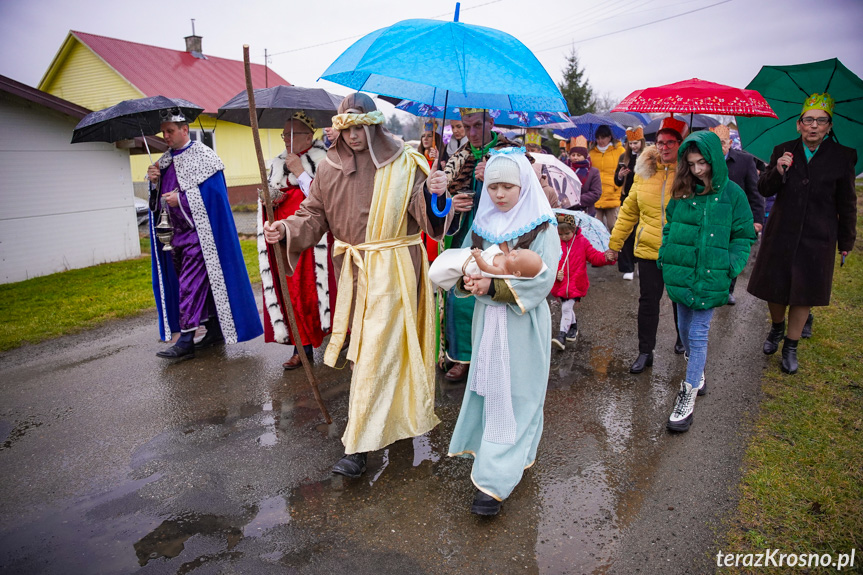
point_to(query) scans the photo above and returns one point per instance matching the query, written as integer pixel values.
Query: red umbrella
(697, 97)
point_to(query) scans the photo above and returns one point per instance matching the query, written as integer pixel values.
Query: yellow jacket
(606, 163)
(644, 207)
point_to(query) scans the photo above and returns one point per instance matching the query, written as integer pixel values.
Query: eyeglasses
(668, 144)
(809, 120)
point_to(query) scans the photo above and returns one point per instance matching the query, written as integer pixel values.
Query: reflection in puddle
(271, 512)
(423, 450)
(169, 538)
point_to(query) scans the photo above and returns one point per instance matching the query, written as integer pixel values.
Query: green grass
(50, 306)
(802, 490)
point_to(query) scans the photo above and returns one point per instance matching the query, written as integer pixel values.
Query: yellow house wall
(235, 147)
(83, 78)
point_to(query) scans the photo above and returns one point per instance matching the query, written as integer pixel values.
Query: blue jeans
(694, 324)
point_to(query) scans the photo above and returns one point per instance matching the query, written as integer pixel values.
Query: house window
(206, 137)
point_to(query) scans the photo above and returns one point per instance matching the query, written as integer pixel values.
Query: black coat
(742, 171)
(625, 184)
(815, 210)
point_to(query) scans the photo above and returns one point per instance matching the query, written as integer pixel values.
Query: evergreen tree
(576, 88)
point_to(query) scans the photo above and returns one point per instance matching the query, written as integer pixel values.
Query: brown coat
(815, 210)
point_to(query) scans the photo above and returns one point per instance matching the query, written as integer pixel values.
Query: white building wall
(62, 206)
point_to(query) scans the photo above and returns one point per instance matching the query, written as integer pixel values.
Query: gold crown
(301, 116)
(819, 102)
(469, 111)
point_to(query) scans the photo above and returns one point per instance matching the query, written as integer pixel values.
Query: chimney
(193, 44)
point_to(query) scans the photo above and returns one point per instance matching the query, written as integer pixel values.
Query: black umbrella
(130, 119)
(276, 105)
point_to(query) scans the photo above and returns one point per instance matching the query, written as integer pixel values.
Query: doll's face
(522, 263)
(504, 195)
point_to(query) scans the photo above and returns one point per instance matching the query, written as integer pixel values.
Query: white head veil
(531, 210)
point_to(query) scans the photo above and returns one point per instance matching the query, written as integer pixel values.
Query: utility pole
(266, 70)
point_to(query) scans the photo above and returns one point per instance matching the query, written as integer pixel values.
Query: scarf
(479, 153)
(531, 210)
(581, 169)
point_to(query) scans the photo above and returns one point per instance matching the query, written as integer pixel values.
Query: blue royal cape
(200, 175)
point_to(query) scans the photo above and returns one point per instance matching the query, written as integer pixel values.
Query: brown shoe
(295, 362)
(457, 372)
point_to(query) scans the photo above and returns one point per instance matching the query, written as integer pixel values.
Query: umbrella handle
(441, 213)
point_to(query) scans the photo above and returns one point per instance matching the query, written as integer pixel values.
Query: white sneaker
(684, 406)
(628, 276)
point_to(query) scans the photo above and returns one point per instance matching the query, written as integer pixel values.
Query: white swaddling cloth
(453, 263)
(490, 378)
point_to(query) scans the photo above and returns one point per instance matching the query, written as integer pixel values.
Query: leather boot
(352, 465)
(642, 361)
(789, 356)
(458, 372)
(807, 327)
(679, 348)
(484, 504)
(771, 344)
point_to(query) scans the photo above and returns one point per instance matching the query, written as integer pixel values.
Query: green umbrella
(786, 87)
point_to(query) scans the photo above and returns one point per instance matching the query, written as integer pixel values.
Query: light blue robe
(498, 468)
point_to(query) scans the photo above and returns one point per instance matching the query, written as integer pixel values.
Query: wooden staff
(286, 297)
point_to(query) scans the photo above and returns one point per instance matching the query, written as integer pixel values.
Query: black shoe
(559, 341)
(679, 348)
(807, 327)
(731, 300)
(771, 344)
(789, 356)
(212, 337)
(572, 334)
(177, 352)
(352, 465)
(485, 504)
(642, 361)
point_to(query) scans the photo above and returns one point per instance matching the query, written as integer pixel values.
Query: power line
(634, 27)
(361, 35)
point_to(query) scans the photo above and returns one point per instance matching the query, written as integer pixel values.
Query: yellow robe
(392, 331)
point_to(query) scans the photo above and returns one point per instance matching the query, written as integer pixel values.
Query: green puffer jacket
(707, 237)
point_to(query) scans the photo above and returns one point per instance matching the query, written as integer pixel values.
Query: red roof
(176, 74)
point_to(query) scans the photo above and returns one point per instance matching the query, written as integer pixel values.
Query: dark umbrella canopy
(699, 122)
(786, 88)
(276, 105)
(587, 124)
(130, 119)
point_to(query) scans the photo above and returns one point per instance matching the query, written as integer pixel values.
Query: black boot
(352, 465)
(777, 332)
(184, 348)
(789, 356)
(484, 504)
(807, 327)
(679, 348)
(642, 361)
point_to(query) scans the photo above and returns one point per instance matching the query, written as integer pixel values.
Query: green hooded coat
(707, 237)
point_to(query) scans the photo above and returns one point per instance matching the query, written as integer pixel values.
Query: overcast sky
(624, 45)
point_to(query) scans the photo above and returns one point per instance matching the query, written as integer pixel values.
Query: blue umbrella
(586, 125)
(448, 64)
(505, 118)
(629, 119)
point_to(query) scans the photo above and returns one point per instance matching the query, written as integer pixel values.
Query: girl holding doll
(501, 417)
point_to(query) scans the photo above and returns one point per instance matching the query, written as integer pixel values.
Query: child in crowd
(500, 422)
(705, 244)
(591, 182)
(572, 282)
(454, 263)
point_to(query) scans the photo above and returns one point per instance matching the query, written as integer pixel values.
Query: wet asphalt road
(114, 461)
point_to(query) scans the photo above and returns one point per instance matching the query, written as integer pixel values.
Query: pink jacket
(573, 261)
